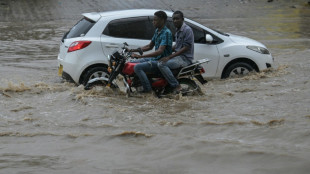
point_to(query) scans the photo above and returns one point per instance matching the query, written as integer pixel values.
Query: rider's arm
(173, 48)
(181, 51)
(156, 53)
(148, 47)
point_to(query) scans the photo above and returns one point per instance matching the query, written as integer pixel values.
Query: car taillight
(77, 45)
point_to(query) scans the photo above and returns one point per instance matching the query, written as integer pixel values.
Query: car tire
(97, 72)
(238, 69)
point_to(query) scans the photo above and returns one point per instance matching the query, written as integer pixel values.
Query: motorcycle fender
(201, 79)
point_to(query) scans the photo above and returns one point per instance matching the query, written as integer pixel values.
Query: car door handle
(111, 46)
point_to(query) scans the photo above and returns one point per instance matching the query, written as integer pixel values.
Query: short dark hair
(179, 13)
(161, 15)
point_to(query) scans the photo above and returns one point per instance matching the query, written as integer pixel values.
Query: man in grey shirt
(184, 51)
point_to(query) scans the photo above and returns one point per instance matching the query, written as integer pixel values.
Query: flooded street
(257, 124)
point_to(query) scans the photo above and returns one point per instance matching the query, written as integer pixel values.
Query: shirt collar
(182, 27)
(162, 30)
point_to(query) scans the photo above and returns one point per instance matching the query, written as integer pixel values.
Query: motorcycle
(119, 64)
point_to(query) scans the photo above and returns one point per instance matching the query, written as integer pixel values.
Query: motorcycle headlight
(258, 49)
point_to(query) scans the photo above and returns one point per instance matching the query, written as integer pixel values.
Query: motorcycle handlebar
(128, 51)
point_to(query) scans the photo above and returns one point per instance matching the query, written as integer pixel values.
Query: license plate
(60, 69)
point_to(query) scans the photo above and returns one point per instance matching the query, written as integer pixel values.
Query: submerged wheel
(95, 73)
(238, 69)
(189, 87)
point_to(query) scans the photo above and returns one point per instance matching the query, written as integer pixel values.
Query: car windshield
(80, 28)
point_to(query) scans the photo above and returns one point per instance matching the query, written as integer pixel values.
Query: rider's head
(160, 18)
(178, 19)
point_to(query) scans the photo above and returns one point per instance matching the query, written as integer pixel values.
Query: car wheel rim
(98, 74)
(239, 71)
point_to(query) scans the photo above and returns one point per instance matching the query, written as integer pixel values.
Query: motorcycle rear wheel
(189, 87)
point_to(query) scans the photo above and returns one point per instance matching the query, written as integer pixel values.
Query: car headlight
(258, 49)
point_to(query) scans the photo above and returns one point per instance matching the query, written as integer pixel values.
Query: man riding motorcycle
(183, 68)
(184, 51)
(162, 40)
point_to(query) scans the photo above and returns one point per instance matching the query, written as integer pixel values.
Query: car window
(135, 28)
(199, 34)
(80, 28)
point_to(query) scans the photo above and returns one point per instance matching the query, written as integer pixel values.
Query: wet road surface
(255, 124)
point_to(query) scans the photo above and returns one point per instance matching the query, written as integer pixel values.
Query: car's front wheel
(238, 69)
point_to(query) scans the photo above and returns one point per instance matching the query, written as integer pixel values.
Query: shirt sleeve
(153, 38)
(188, 37)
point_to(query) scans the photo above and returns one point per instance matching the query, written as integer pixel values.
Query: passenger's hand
(164, 59)
(135, 55)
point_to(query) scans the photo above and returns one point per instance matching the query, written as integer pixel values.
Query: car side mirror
(209, 38)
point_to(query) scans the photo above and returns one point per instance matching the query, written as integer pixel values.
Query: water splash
(133, 134)
(270, 123)
(15, 88)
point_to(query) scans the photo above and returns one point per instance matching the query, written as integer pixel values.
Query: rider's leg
(174, 63)
(141, 60)
(146, 67)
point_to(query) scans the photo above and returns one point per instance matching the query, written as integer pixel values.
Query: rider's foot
(144, 94)
(177, 90)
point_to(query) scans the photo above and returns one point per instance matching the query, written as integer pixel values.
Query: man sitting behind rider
(162, 40)
(184, 50)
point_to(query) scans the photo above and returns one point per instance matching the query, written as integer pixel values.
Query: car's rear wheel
(238, 69)
(95, 73)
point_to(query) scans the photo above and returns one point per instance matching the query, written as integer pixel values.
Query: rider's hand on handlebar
(135, 56)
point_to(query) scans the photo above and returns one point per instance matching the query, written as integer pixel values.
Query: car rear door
(136, 31)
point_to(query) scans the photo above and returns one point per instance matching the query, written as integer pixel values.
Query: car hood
(245, 41)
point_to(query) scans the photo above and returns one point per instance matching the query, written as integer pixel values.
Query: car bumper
(68, 70)
(267, 62)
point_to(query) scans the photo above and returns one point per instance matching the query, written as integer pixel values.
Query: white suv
(85, 47)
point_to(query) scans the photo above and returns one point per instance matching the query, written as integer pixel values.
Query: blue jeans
(174, 63)
(146, 65)
(141, 60)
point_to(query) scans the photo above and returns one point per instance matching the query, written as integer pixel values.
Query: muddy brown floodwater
(257, 124)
